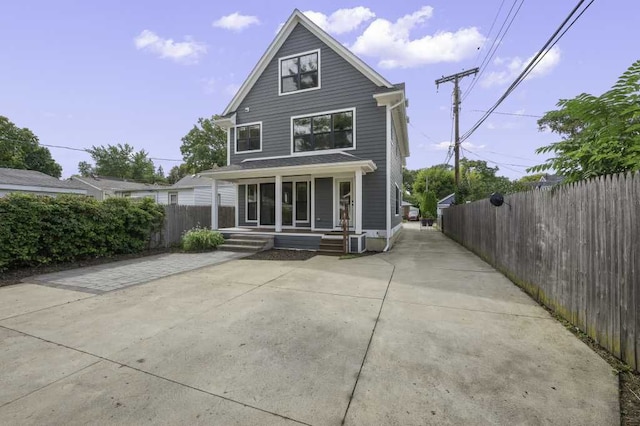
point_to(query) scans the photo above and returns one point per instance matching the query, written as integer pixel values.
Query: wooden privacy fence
(179, 219)
(575, 249)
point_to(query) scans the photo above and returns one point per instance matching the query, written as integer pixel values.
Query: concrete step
(245, 242)
(330, 252)
(238, 247)
(250, 237)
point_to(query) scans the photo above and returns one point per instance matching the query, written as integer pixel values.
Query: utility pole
(456, 114)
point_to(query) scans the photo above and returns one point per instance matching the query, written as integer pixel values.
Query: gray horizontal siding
(342, 86)
(396, 177)
(324, 203)
(311, 242)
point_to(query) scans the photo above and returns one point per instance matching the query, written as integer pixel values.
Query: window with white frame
(300, 72)
(249, 137)
(302, 201)
(173, 198)
(323, 131)
(252, 203)
(398, 200)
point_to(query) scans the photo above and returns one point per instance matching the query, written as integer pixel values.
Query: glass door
(344, 201)
(268, 204)
(287, 203)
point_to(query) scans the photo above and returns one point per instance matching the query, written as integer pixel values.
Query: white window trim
(398, 206)
(246, 203)
(280, 93)
(169, 198)
(235, 138)
(325, 151)
(294, 198)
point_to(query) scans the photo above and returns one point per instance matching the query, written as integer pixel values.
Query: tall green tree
(120, 161)
(440, 179)
(599, 134)
(478, 181)
(20, 149)
(204, 146)
(177, 172)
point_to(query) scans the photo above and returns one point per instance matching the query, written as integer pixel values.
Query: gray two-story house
(315, 136)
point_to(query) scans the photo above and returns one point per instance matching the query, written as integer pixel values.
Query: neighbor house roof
(34, 178)
(115, 184)
(549, 180)
(291, 163)
(193, 181)
(448, 200)
(296, 18)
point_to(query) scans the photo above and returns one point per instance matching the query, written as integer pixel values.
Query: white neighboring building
(196, 190)
(192, 190)
(36, 183)
(105, 187)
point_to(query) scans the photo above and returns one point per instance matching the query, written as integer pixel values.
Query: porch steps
(247, 242)
(331, 246)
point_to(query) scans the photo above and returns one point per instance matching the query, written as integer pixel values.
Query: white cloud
(342, 20)
(391, 43)
(236, 22)
(444, 146)
(514, 66)
(188, 51)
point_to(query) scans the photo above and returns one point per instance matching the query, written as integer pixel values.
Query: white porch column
(358, 201)
(214, 204)
(278, 203)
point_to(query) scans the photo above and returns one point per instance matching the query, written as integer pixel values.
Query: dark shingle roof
(114, 184)
(192, 181)
(303, 160)
(34, 178)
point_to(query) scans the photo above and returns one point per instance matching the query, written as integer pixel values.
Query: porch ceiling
(293, 165)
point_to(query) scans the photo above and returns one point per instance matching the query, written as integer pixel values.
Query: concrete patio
(425, 334)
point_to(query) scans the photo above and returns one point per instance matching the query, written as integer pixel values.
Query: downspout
(389, 124)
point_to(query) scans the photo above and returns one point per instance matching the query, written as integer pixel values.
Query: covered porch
(297, 198)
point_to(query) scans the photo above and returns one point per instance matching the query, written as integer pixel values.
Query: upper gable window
(299, 72)
(249, 137)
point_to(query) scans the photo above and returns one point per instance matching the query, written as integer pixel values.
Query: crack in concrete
(102, 358)
(366, 352)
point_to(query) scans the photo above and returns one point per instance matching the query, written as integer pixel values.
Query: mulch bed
(281, 255)
(15, 276)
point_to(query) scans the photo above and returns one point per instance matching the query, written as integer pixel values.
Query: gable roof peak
(297, 17)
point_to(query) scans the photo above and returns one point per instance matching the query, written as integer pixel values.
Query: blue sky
(82, 73)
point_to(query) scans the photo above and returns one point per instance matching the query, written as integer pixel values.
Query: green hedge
(40, 230)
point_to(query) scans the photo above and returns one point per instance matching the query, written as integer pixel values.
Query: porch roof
(292, 165)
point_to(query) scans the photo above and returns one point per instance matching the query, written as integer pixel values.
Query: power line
(494, 47)
(505, 165)
(534, 61)
(495, 18)
(421, 132)
(509, 113)
(70, 148)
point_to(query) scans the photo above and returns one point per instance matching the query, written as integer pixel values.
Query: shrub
(40, 230)
(201, 239)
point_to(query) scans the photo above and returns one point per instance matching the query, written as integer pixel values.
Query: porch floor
(306, 231)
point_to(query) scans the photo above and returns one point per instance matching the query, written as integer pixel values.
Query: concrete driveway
(425, 334)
